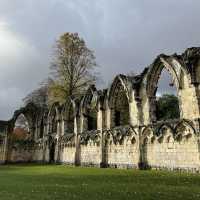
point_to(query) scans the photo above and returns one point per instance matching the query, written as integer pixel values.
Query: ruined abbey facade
(117, 127)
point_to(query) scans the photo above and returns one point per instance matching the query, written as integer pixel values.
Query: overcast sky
(126, 35)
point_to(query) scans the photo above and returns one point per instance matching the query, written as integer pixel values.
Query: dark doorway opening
(92, 123)
(52, 153)
(117, 118)
(42, 129)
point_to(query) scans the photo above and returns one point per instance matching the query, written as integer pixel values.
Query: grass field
(54, 182)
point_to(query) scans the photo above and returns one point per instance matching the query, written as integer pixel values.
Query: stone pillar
(81, 123)
(33, 132)
(44, 147)
(135, 113)
(36, 132)
(197, 96)
(100, 128)
(58, 145)
(103, 163)
(6, 148)
(108, 118)
(58, 128)
(99, 119)
(142, 164)
(140, 116)
(152, 108)
(48, 128)
(63, 127)
(78, 128)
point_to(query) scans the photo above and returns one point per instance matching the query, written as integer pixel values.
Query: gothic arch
(42, 122)
(191, 58)
(119, 97)
(185, 130)
(89, 108)
(181, 78)
(30, 114)
(147, 133)
(175, 68)
(53, 118)
(165, 132)
(165, 127)
(121, 82)
(69, 113)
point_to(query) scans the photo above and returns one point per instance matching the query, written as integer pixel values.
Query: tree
(20, 134)
(39, 96)
(72, 68)
(167, 107)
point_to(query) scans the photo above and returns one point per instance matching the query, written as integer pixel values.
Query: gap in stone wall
(167, 103)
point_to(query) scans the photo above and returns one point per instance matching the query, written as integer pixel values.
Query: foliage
(167, 107)
(72, 67)
(39, 96)
(20, 138)
(19, 134)
(60, 182)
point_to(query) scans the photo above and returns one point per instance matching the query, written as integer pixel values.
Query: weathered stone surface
(117, 127)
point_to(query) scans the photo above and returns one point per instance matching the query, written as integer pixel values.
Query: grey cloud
(125, 35)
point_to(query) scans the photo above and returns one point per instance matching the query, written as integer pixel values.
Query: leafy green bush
(167, 107)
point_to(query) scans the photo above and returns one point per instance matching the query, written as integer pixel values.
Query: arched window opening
(21, 129)
(54, 124)
(90, 109)
(69, 120)
(91, 119)
(120, 109)
(42, 129)
(117, 118)
(167, 103)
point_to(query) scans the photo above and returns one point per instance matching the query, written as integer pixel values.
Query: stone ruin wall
(3, 141)
(117, 127)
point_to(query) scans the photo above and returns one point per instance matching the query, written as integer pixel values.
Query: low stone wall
(38, 155)
(122, 156)
(68, 154)
(173, 154)
(90, 154)
(121, 148)
(2, 153)
(174, 147)
(164, 147)
(21, 155)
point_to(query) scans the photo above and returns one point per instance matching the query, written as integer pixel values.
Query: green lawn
(60, 182)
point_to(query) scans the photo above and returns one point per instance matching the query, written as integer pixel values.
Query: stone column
(63, 127)
(99, 118)
(135, 111)
(78, 128)
(108, 118)
(100, 128)
(140, 116)
(81, 122)
(152, 108)
(33, 132)
(58, 135)
(6, 148)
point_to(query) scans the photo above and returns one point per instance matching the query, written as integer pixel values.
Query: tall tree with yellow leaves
(73, 68)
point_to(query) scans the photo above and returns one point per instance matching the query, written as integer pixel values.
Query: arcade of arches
(117, 127)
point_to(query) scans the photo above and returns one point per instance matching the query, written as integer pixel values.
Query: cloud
(18, 59)
(125, 35)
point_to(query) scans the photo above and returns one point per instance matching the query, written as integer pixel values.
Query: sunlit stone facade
(117, 127)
